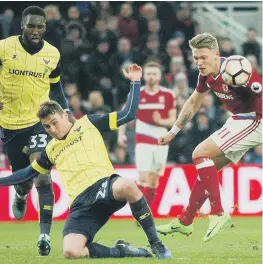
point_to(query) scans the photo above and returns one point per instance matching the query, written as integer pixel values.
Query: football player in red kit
(241, 132)
(155, 114)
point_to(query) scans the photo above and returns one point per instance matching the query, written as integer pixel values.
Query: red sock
(196, 200)
(208, 176)
(150, 194)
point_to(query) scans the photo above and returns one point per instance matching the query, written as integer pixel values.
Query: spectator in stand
(120, 156)
(119, 60)
(176, 67)
(181, 90)
(113, 25)
(202, 127)
(74, 14)
(148, 12)
(73, 47)
(95, 102)
(184, 22)
(154, 27)
(166, 11)
(209, 106)
(172, 50)
(104, 10)
(253, 60)
(226, 48)
(128, 27)
(152, 52)
(70, 89)
(183, 45)
(5, 23)
(180, 150)
(75, 105)
(101, 31)
(54, 26)
(251, 46)
(98, 72)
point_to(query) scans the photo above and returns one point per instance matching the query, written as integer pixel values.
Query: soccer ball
(236, 70)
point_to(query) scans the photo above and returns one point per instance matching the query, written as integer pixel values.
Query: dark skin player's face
(34, 28)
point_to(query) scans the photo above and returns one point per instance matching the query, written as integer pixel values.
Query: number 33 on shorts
(39, 141)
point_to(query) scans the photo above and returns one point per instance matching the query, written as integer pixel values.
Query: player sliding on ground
(96, 192)
(241, 132)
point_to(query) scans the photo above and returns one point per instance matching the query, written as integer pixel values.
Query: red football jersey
(237, 100)
(147, 131)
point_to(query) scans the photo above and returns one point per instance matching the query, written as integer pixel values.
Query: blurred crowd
(97, 39)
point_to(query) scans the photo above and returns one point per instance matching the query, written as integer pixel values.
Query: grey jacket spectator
(73, 47)
(102, 32)
(121, 59)
(5, 23)
(152, 52)
(251, 46)
(98, 72)
(55, 26)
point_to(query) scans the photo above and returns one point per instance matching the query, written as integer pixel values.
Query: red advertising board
(241, 190)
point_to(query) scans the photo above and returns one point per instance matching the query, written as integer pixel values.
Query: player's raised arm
(113, 120)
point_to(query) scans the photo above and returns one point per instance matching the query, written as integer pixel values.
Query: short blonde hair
(152, 64)
(204, 40)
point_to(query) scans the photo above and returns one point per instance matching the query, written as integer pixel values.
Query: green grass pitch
(241, 244)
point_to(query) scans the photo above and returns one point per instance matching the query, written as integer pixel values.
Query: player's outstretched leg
(216, 224)
(20, 200)
(44, 188)
(124, 189)
(122, 249)
(184, 224)
(76, 246)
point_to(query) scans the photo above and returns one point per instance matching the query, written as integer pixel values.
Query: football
(236, 70)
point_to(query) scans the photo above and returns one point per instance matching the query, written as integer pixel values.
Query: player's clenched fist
(166, 139)
(133, 73)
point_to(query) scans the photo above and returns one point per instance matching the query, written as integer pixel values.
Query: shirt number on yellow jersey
(39, 141)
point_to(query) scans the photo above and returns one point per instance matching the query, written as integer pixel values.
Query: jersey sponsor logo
(256, 87)
(77, 129)
(143, 100)
(46, 61)
(27, 73)
(72, 143)
(225, 88)
(15, 57)
(224, 96)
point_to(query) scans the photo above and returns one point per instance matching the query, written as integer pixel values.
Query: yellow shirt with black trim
(25, 81)
(81, 158)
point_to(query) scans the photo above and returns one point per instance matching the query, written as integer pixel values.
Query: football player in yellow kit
(96, 192)
(29, 75)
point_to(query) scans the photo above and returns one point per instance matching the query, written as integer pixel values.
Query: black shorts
(92, 209)
(20, 143)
